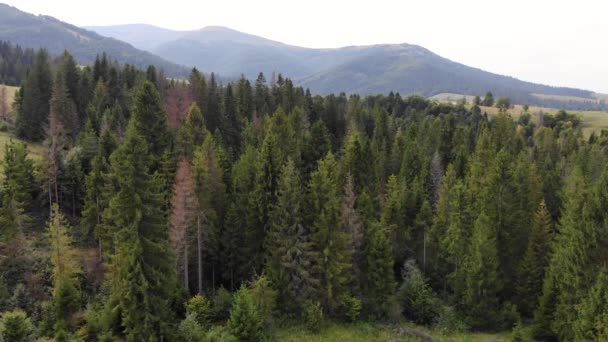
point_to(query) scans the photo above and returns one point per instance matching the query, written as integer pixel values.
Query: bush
(15, 326)
(190, 330)
(3, 126)
(244, 323)
(351, 307)
(419, 303)
(200, 308)
(222, 302)
(265, 299)
(313, 317)
(449, 321)
(219, 334)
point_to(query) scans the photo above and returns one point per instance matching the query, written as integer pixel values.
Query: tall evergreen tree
(16, 190)
(535, 261)
(380, 275)
(289, 253)
(35, 102)
(143, 275)
(330, 239)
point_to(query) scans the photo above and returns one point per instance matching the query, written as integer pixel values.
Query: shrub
(265, 299)
(449, 321)
(313, 317)
(244, 323)
(351, 307)
(219, 334)
(190, 330)
(15, 326)
(200, 308)
(222, 302)
(419, 303)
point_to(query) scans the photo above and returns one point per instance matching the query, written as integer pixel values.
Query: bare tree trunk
(186, 268)
(200, 255)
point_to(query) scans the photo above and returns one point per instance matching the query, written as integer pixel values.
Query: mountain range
(28, 30)
(404, 68)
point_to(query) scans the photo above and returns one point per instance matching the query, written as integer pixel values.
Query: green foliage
(199, 307)
(313, 316)
(245, 323)
(265, 299)
(16, 191)
(15, 326)
(139, 294)
(419, 302)
(488, 100)
(590, 325)
(34, 108)
(221, 304)
(381, 280)
(351, 306)
(190, 330)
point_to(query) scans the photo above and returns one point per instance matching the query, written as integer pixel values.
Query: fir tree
(330, 239)
(245, 323)
(535, 261)
(16, 190)
(36, 95)
(289, 256)
(482, 283)
(65, 265)
(143, 275)
(381, 282)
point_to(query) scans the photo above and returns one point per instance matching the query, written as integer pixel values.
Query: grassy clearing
(591, 121)
(10, 94)
(35, 150)
(364, 332)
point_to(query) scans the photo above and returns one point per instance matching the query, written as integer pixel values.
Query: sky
(555, 42)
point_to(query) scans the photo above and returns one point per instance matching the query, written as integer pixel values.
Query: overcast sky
(558, 42)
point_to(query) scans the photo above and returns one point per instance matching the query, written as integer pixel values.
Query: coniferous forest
(166, 210)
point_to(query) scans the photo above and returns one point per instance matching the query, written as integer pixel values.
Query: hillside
(404, 68)
(32, 31)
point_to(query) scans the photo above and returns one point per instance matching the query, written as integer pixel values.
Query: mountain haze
(32, 31)
(404, 68)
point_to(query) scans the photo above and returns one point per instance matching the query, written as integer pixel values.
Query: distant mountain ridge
(33, 31)
(404, 68)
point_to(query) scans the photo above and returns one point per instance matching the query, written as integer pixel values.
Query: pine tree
(16, 190)
(143, 275)
(36, 96)
(229, 124)
(289, 256)
(329, 237)
(535, 261)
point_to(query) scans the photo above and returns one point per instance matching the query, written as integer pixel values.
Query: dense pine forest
(167, 210)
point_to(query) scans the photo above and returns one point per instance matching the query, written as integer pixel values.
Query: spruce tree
(590, 325)
(381, 282)
(65, 266)
(535, 261)
(36, 95)
(62, 104)
(16, 191)
(482, 282)
(289, 256)
(143, 275)
(330, 239)
(150, 121)
(245, 323)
